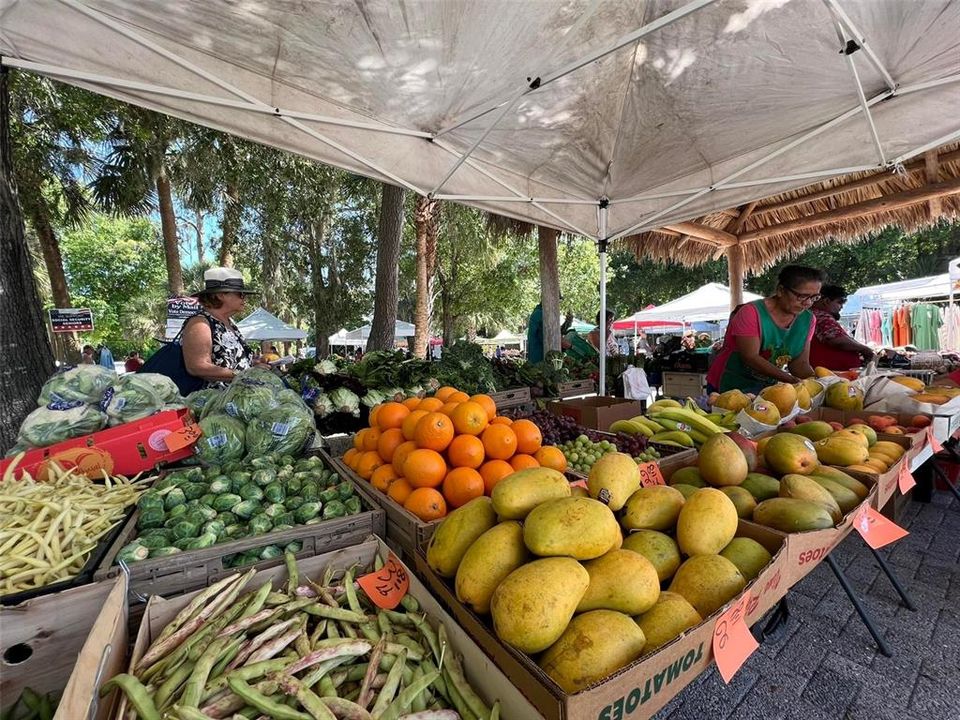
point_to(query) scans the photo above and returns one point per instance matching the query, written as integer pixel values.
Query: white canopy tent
(341, 338)
(263, 325)
(504, 337)
(598, 117)
(710, 302)
(359, 335)
(887, 293)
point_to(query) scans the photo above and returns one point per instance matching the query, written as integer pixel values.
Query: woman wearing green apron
(768, 340)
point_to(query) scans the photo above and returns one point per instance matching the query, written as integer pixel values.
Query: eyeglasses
(804, 298)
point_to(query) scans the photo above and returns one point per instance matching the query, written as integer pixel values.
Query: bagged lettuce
(59, 421)
(284, 430)
(223, 439)
(138, 395)
(198, 401)
(248, 397)
(84, 383)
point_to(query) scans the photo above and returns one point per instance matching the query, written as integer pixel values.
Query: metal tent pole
(602, 247)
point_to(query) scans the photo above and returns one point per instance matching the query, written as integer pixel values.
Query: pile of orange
(443, 451)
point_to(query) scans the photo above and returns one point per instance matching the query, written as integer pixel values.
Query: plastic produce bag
(84, 383)
(249, 396)
(284, 430)
(59, 421)
(197, 401)
(223, 440)
(138, 395)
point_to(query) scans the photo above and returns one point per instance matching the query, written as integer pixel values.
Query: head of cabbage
(223, 439)
(284, 430)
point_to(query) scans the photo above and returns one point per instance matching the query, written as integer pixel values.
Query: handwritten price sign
(187, 435)
(579, 483)
(905, 478)
(386, 586)
(650, 474)
(932, 441)
(732, 641)
(875, 529)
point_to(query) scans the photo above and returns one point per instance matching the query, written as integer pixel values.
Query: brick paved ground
(825, 665)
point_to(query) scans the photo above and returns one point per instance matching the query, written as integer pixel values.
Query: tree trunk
(50, 246)
(325, 311)
(735, 274)
(447, 320)
(269, 271)
(168, 226)
(199, 216)
(228, 228)
(383, 327)
(426, 216)
(26, 360)
(549, 288)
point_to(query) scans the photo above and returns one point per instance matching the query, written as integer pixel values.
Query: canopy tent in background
(597, 117)
(504, 337)
(632, 322)
(341, 338)
(358, 336)
(581, 326)
(708, 303)
(934, 286)
(263, 325)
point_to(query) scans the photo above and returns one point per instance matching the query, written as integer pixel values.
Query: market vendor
(832, 347)
(768, 340)
(593, 337)
(213, 348)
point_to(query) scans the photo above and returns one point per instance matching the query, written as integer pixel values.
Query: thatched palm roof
(845, 209)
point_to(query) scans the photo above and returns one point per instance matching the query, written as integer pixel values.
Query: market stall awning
(635, 322)
(934, 286)
(402, 330)
(264, 325)
(710, 302)
(604, 118)
(341, 338)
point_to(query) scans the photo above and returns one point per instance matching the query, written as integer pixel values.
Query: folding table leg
(894, 580)
(943, 476)
(858, 606)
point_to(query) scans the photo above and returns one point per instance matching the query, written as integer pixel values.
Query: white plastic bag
(635, 385)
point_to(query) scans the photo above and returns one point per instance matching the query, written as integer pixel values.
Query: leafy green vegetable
(84, 383)
(286, 428)
(223, 439)
(138, 395)
(59, 421)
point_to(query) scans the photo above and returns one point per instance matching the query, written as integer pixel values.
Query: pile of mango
(855, 447)
(586, 581)
(780, 482)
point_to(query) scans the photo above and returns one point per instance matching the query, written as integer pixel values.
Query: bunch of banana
(639, 425)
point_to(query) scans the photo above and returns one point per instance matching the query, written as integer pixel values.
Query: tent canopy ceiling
(710, 302)
(263, 325)
(671, 109)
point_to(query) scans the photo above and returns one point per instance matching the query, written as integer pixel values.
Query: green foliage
(579, 269)
(115, 266)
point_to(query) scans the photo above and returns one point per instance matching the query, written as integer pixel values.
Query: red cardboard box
(126, 449)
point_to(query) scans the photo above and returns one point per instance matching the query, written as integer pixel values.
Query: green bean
(187, 713)
(333, 613)
(430, 636)
(405, 698)
(365, 686)
(307, 699)
(293, 579)
(459, 704)
(302, 643)
(383, 623)
(415, 650)
(277, 598)
(136, 693)
(247, 672)
(313, 677)
(455, 674)
(398, 617)
(327, 688)
(438, 684)
(386, 694)
(231, 651)
(318, 632)
(352, 601)
(269, 707)
(172, 684)
(419, 702)
(194, 607)
(495, 712)
(410, 603)
(345, 709)
(193, 690)
(349, 631)
(333, 632)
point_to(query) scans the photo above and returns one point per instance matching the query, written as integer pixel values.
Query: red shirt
(132, 365)
(824, 355)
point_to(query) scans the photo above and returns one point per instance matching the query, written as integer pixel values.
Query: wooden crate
(576, 387)
(192, 569)
(514, 397)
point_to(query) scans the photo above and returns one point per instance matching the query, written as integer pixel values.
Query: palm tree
(136, 173)
(390, 230)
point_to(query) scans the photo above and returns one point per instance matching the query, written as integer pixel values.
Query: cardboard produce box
(597, 413)
(72, 641)
(484, 676)
(644, 686)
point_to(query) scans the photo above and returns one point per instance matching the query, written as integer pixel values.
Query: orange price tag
(932, 440)
(733, 642)
(579, 483)
(650, 474)
(905, 478)
(877, 530)
(179, 439)
(386, 586)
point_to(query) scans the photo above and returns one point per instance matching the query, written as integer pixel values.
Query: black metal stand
(938, 471)
(858, 606)
(894, 580)
(777, 620)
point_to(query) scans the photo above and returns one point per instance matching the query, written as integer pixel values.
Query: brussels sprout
(286, 518)
(173, 498)
(264, 477)
(227, 518)
(334, 509)
(183, 530)
(307, 511)
(310, 488)
(194, 491)
(352, 504)
(329, 495)
(282, 527)
(195, 517)
(152, 532)
(204, 541)
(232, 466)
(195, 474)
(292, 503)
(133, 552)
(261, 462)
(214, 527)
(211, 471)
(285, 473)
(226, 501)
(345, 489)
(183, 543)
(235, 531)
(220, 485)
(171, 480)
(293, 547)
(177, 511)
(245, 509)
(304, 476)
(207, 499)
(274, 509)
(293, 486)
(251, 492)
(164, 551)
(260, 524)
(206, 511)
(150, 500)
(271, 552)
(275, 493)
(153, 541)
(241, 476)
(151, 518)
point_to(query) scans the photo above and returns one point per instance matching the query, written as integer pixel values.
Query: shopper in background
(594, 336)
(832, 347)
(105, 357)
(133, 362)
(86, 357)
(268, 353)
(768, 340)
